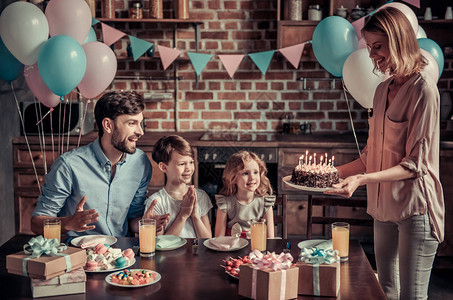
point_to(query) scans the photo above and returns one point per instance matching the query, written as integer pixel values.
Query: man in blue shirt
(100, 188)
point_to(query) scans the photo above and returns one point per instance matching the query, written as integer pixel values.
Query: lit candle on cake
(325, 157)
(301, 161)
(320, 161)
(333, 159)
(314, 159)
(309, 160)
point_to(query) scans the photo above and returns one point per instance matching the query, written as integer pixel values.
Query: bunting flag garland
(110, 34)
(415, 3)
(139, 46)
(94, 21)
(168, 55)
(358, 25)
(262, 60)
(293, 54)
(199, 61)
(231, 62)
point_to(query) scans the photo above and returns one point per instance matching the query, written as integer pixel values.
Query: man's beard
(121, 145)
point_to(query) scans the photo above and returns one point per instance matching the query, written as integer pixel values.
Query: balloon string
(62, 129)
(40, 131)
(26, 138)
(83, 122)
(51, 136)
(69, 126)
(50, 110)
(43, 147)
(350, 117)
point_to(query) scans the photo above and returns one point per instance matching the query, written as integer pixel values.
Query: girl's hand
(347, 187)
(195, 213)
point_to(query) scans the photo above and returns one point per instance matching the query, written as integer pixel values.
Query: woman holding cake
(400, 163)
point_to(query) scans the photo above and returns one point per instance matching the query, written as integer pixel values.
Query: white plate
(108, 279)
(181, 243)
(108, 239)
(113, 270)
(287, 180)
(309, 243)
(242, 243)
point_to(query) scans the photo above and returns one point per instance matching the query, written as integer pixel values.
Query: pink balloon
(69, 17)
(101, 69)
(431, 70)
(38, 87)
(407, 11)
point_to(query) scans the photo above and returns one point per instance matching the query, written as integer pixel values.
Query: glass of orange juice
(147, 237)
(340, 239)
(52, 229)
(258, 234)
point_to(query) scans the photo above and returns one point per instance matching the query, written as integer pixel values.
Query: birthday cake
(311, 174)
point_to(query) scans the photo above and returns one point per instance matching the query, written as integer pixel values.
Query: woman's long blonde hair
(234, 165)
(405, 53)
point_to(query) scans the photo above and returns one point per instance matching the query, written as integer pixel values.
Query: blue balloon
(62, 64)
(333, 41)
(434, 49)
(91, 37)
(10, 67)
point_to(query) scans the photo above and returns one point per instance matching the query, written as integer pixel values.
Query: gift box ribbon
(316, 257)
(261, 261)
(39, 245)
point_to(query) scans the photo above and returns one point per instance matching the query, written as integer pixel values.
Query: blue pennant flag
(262, 60)
(199, 61)
(94, 21)
(139, 46)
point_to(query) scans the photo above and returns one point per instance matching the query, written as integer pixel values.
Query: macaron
(129, 253)
(100, 249)
(91, 265)
(120, 262)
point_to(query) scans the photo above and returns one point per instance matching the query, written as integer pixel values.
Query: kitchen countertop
(325, 140)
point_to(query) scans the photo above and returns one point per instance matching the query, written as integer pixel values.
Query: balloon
(407, 11)
(421, 34)
(362, 43)
(359, 77)
(101, 69)
(333, 41)
(38, 87)
(24, 29)
(10, 67)
(69, 17)
(62, 64)
(91, 36)
(431, 70)
(433, 48)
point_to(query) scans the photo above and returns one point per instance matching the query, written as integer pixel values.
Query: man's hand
(81, 218)
(161, 220)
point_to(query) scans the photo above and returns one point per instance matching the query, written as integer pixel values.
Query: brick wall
(249, 101)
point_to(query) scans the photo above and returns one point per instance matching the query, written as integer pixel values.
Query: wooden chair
(358, 200)
(280, 216)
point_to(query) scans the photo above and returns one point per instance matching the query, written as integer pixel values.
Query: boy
(188, 206)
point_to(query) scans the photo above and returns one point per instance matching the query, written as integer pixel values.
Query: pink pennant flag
(231, 62)
(111, 34)
(167, 55)
(293, 54)
(358, 25)
(415, 3)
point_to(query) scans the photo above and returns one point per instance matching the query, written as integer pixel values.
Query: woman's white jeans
(405, 254)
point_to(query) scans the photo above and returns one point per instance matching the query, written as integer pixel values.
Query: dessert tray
(232, 265)
(108, 239)
(156, 276)
(241, 244)
(287, 180)
(131, 262)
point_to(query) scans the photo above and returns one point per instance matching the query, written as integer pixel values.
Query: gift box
(319, 273)
(72, 282)
(268, 283)
(43, 261)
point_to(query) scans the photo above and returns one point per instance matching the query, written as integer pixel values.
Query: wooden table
(191, 276)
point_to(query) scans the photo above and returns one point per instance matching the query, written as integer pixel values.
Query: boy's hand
(161, 220)
(195, 213)
(187, 203)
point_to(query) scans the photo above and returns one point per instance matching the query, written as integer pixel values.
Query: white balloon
(24, 29)
(359, 77)
(421, 34)
(431, 70)
(407, 11)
